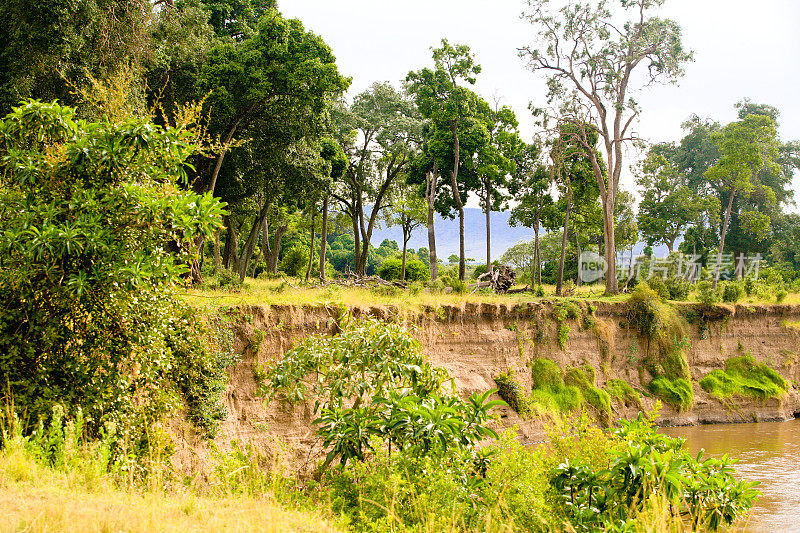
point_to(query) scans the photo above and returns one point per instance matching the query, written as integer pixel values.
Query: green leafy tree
(530, 187)
(594, 58)
(98, 231)
(442, 98)
(378, 133)
(669, 205)
(747, 147)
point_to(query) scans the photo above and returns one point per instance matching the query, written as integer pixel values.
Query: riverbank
(476, 342)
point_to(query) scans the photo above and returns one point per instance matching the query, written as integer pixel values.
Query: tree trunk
(430, 195)
(406, 237)
(722, 240)
(217, 256)
(462, 267)
(231, 244)
(276, 249)
(356, 243)
(488, 237)
(311, 246)
(323, 239)
(536, 252)
(579, 283)
(247, 253)
(612, 286)
(560, 280)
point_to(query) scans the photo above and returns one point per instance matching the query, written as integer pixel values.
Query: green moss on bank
(621, 391)
(746, 377)
(676, 392)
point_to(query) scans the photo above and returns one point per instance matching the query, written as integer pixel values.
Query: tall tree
(530, 187)
(379, 133)
(496, 163)
(593, 63)
(409, 211)
(748, 147)
(669, 206)
(444, 100)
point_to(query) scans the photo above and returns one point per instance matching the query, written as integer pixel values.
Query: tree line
(308, 175)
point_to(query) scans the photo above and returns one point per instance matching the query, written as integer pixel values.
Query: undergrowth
(621, 390)
(676, 392)
(744, 376)
(512, 392)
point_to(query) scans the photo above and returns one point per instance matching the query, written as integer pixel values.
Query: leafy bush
(392, 268)
(512, 392)
(659, 286)
(780, 296)
(744, 376)
(678, 288)
(732, 291)
(294, 261)
(372, 382)
(228, 280)
(676, 392)
(706, 293)
(98, 229)
(539, 291)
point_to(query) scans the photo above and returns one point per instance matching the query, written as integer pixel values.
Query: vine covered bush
(371, 384)
(98, 230)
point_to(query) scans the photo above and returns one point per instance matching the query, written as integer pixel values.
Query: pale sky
(743, 48)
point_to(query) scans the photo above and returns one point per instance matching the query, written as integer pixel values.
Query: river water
(768, 452)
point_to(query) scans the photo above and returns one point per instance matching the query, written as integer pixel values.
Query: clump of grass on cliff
(744, 376)
(621, 391)
(676, 392)
(549, 392)
(584, 378)
(513, 393)
(664, 333)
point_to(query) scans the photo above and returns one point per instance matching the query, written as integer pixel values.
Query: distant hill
(503, 235)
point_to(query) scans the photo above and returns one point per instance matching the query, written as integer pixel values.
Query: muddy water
(768, 452)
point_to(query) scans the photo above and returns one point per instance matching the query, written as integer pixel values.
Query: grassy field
(36, 498)
(294, 292)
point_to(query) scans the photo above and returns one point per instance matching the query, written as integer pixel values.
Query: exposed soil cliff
(477, 342)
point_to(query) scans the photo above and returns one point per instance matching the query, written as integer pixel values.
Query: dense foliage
(97, 233)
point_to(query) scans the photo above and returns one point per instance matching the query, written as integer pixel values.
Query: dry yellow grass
(277, 292)
(33, 498)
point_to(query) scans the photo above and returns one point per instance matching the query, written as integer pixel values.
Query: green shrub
(678, 288)
(228, 280)
(392, 268)
(780, 296)
(512, 392)
(294, 261)
(539, 291)
(621, 391)
(563, 335)
(706, 293)
(98, 228)
(744, 376)
(676, 392)
(732, 291)
(658, 285)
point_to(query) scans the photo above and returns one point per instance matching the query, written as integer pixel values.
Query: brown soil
(477, 342)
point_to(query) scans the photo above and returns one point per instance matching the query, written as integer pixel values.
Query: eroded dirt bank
(477, 342)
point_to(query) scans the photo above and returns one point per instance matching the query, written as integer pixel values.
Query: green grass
(583, 378)
(676, 392)
(621, 391)
(550, 393)
(745, 377)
